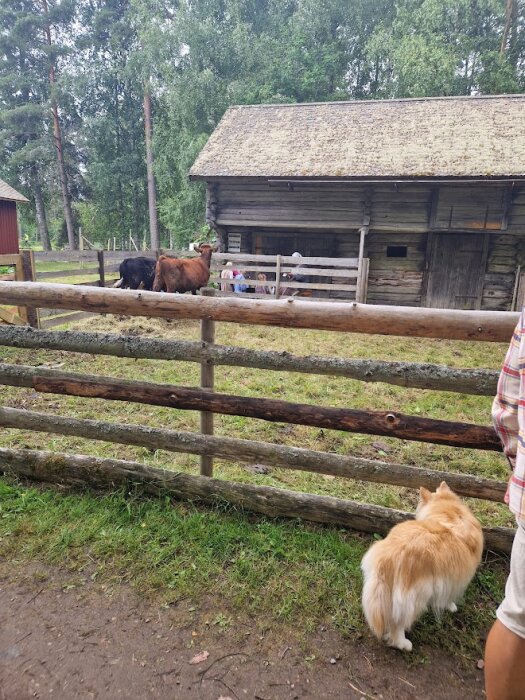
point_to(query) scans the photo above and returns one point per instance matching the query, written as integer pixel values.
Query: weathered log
(480, 382)
(384, 423)
(80, 470)
(289, 313)
(238, 450)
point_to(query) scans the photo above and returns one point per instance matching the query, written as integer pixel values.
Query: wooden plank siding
(8, 228)
(323, 219)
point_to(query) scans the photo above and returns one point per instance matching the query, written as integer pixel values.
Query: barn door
(457, 270)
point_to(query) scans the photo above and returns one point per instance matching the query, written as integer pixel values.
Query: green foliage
(444, 47)
(201, 57)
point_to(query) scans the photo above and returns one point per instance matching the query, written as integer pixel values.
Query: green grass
(292, 572)
(281, 572)
(59, 266)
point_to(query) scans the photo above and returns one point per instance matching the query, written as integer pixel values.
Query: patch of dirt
(66, 637)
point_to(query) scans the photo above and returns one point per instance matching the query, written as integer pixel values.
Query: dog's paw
(452, 607)
(402, 644)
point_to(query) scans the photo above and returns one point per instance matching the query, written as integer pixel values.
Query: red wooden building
(8, 222)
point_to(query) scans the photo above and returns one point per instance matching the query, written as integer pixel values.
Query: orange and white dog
(424, 562)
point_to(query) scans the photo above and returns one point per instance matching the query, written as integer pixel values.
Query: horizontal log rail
(238, 258)
(77, 272)
(311, 271)
(290, 284)
(80, 470)
(383, 423)
(493, 326)
(235, 449)
(480, 382)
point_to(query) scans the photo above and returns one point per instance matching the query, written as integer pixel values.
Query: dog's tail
(377, 596)
(118, 283)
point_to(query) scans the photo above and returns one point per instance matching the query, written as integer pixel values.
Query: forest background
(84, 84)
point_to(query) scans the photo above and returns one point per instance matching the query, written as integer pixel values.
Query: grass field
(288, 571)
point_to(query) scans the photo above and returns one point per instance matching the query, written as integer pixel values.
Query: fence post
(27, 259)
(207, 382)
(101, 273)
(277, 276)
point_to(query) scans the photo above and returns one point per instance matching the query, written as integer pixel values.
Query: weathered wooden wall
(324, 219)
(8, 228)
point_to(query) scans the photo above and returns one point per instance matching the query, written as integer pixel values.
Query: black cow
(135, 272)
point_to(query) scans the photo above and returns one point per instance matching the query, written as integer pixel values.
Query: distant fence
(18, 267)
(79, 267)
(328, 278)
(291, 313)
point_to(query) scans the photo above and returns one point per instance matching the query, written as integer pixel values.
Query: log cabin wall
(407, 222)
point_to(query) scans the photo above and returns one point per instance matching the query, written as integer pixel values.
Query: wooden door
(457, 269)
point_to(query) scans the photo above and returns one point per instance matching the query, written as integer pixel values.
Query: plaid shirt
(508, 413)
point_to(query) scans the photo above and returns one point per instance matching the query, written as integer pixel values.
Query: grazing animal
(424, 562)
(183, 275)
(135, 272)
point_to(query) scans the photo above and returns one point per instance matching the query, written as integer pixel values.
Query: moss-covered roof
(451, 137)
(7, 192)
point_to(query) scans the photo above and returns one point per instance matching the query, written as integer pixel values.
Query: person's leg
(505, 648)
(504, 664)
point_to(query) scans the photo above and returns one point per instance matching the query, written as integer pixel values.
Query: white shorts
(511, 612)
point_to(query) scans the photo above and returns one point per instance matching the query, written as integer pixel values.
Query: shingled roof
(447, 137)
(7, 192)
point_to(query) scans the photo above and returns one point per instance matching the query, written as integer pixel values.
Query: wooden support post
(515, 290)
(22, 309)
(101, 272)
(27, 260)
(360, 294)
(277, 276)
(364, 279)
(207, 383)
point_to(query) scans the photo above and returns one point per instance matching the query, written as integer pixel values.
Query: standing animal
(424, 562)
(183, 275)
(136, 271)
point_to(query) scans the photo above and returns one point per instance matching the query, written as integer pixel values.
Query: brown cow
(183, 275)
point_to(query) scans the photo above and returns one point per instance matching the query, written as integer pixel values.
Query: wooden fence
(18, 267)
(341, 278)
(80, 267)
(328, 277)
(291, 312)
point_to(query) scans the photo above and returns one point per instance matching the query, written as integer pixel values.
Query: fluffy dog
(424, 562)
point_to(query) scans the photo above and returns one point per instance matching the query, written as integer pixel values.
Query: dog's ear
(424, 495)
(443, 487)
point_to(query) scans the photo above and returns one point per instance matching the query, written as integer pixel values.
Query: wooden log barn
(430, 190)
(8, 222)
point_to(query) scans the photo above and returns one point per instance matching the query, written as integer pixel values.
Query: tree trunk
(509, 12)
(57, 134)
(152, 197)
(41, 219)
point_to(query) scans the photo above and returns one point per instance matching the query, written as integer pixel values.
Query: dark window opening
(396, 251)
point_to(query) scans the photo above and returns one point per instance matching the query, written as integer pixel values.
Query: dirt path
(63, 638)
